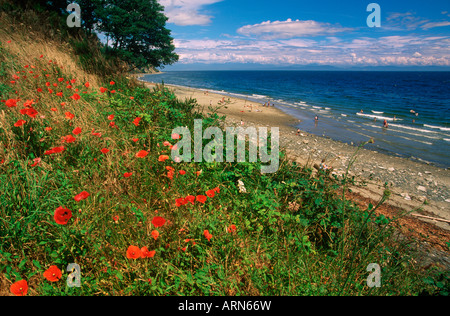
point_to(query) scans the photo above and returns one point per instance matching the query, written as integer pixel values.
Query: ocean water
(351, 106)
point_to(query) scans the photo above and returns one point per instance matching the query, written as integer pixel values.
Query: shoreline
(411, 182)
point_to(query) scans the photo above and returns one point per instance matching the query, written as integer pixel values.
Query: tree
(137, 31)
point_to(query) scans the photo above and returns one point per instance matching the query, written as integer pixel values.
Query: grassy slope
(293, 235)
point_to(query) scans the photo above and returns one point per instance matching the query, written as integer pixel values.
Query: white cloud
(187, 12)
(290, 29)
(434, 24)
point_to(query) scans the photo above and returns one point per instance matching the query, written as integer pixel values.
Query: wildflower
(135, 139)
(62, 215)
(155, 234)
(116, 219)
(105, 150)
(48, 128)
(68, 139)
(76, 130)
(207, 234)
(31, 112)
(133, 252)
(210, 193)
(103, 90)
(86, 84)
(141, 154)
(113, 91)
(201, 198)
(39, 89)
(60, 79)
(127, 174)
(216, 189)
(59, 94)
(76, 96)
(69, 115)
(158, 221)
(55, 150)
(11, 103)
(190, 198)
(36, 162)
(146, 253)
(180, 201)
(112, 83)
(81, 196)
(19, 123)
(175, 136)
(111, 117)
(166, 143)
(163, 158)
(53, 274)
(182, 172)
(136, 121)
(231, 228)
(20, 288)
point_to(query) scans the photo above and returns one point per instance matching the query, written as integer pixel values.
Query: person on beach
(316, 118)
(298, 131)
(385, 124)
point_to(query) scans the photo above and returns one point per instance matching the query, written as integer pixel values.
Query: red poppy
(105, 150)
(163, 158)
(190, 198)
(127, 174)
(76, 130)
(103, 90)
(81, 196)
(53, 274)
(146, 253)
(116, 218)
(155, 234)
(96, 134)
(11, 103)
(180, 201)
(59, 94)
(136, 121)
(48, 128)
(133, 252)
(201, 198)
(75, 96)
(31, 112)
(207, 234)
(73, 80)
(36, 162)
(20, 288)
(111, 117)
(175, 136)
(231, 228)
(182, 172)
(141, 154)
(62, 215)
(210, 193)
(216, 189)
(166, 143)
(55, 150)
(135, 139)
(86, 84)
(112, 83)
(113, 91)
(39, 89)
(68, 139)
(158, 221)
(19, 123)
(69, 115)
(60, 79)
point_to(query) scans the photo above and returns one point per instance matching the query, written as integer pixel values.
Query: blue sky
(211, 34)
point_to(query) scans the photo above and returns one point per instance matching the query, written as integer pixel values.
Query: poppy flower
(141, 154)
(60, 79)
(59, 94)
(111, 117)
(103, 90)
(136, 121)
(135, 139)
(31, 112)
(175, 136)
(127, 174)
(112, 83)
(163, 158)
(155, 234)
(75, 96)
(62, 215)
(105, 150)
(76, 130)
(39, 89)
(96, 134)
(55, 150)
(201, 198)
(54, 109)
(133, 252)
(210, 193)
(180, 201)
(73, 80)
(53, 274)
(81, 196)
(19, 123)
(231, 228)
(11, 103)
(216, 189)
(207, 234)
(68, 139)
(182, 172)
(166, 143)
(69, 115)
(190, 198)
(87, 84)
(20, 288)
(146, 253)
(116, 218)
(158, 221)
(113, 91)
(36, 162)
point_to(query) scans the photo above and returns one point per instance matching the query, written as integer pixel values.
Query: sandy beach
(410, 182)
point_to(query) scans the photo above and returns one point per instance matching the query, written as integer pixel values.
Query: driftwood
(432, 218)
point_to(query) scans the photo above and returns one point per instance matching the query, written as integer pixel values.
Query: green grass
(295, 235)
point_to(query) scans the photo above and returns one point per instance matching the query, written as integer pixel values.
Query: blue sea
(351, 105)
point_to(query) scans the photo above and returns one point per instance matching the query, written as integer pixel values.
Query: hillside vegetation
(85, 179)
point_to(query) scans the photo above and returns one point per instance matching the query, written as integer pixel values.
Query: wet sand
(410, 182)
